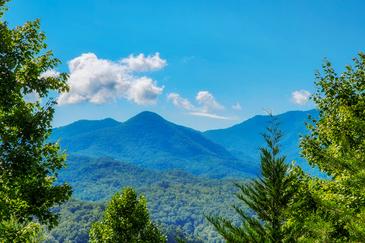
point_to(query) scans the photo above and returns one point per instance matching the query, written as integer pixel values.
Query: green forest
(47, 195)
(177, 201)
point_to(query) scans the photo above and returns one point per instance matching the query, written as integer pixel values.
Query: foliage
(75, 221)
(267, 197)
(334, 208)
(177, 201)
(126, 219)
(28, 164)
(13, 231)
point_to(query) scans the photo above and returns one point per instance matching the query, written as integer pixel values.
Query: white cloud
(207, 101)
(50, 73)
(300, 97)
(181, 102)
(206, 105)
(144, 91)
(141, 63)
(214, 116)
(237, 106)
(98, 81)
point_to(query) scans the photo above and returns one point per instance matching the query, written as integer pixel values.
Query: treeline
(284, 203)
(287, 205)
(177, 201)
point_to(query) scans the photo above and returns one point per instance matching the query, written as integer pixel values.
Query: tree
(336, 144)
(28, 163)
(13, 231)
(126, 219)
(267, 197)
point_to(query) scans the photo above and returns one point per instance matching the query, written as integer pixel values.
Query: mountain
(81, 127)
(152, 142)
(245, 139)
(157, 157)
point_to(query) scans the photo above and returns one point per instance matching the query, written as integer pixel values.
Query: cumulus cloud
(181, 102)
(144, 91)
(237, 106)
(207, 101)
(50, 73)
(96, 80)
(141, 63)
(206, 105)
(300, 97)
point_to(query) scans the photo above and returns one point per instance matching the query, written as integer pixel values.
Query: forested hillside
(293, 177)
(177, 201)
(162, 145)
(150, 141)
(245, 138)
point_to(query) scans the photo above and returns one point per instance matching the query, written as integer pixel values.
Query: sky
(202, 64)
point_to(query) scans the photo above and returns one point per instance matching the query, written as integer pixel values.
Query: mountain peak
(106, 122)
(146, 116)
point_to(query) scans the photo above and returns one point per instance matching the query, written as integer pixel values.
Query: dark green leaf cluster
(28, 164)
(126, 219)
(267, 198)
(335, 207)
(12, 230)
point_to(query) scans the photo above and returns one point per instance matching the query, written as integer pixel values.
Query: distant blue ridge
(150, 141)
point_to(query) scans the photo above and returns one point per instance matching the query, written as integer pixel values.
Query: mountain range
(150, 141)
(169, 164)
(244, 139)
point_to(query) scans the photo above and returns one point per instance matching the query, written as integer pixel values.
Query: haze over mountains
(166, 162)
(244, 139)
(150, 141)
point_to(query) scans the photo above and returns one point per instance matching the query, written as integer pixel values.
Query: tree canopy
(333, 209)
(28, 163)
(126, 219)
(267, 198)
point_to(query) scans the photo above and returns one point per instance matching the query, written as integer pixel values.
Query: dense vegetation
(333, 209)
(330, 209)
(126, 219)
(28, 164)
(176, 200)
(268, 198)
(75, 219)
(284, 204)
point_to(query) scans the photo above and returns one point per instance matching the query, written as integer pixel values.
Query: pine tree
(126, 219)
(267, 198)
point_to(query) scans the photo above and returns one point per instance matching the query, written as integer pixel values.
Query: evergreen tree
(126, 219)
(28, 163)
(335, 206)
(267, 198)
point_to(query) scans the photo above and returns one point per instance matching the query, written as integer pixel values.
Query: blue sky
(204, 64)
